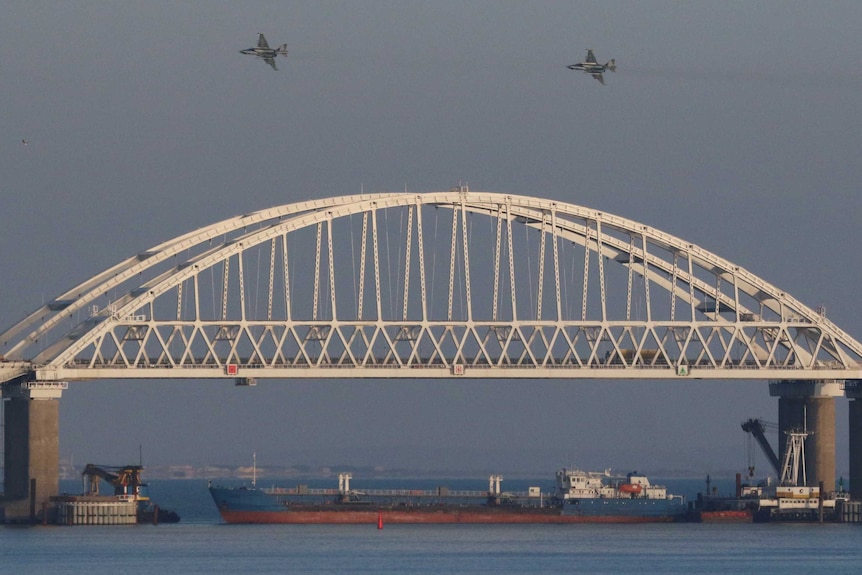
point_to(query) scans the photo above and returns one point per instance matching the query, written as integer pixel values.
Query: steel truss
(524, 287)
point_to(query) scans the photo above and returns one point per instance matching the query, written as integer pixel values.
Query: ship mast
(794, 459)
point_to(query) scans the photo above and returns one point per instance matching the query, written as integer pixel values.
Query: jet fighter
(265, 53)
(590, 66)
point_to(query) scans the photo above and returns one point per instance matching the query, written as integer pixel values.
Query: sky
(734, 125)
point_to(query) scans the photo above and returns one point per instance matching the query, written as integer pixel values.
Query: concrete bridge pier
(853, 391)
(809, 405)
(31, 459)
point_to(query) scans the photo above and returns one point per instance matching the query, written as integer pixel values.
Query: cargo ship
(577, 497)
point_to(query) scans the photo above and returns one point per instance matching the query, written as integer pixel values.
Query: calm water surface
(202, 544)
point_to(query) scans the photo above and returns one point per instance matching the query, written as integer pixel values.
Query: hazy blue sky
(735, 125)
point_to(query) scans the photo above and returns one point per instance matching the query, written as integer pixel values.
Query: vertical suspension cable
(407, 261)
(497, 262)
(691, 285)
(241, 274)
(316, 275)
(224, 289)
(564, 279)
(631, 277)
(529, 263)
(353, 262)
(197, 295)
(434, 262)
(511, 258)
(180, 300)
(602, 286)
(717, 294)
(587, 248)
(646, 277)
(736, 296)
(257, 284)
(452, 256)
(286, 272)
(541, 284)
(421, 259)
(556, 262)
(374, 244)
(272, 248)
(212, 288)
(363, 249)
(331, 264)
(674, 275)
(391, 298)
(465, 238)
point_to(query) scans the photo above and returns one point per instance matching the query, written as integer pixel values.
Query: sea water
(201, 543)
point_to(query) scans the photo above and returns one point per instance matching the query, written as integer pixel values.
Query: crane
(126, 479)
(757, 429)
(127, 484)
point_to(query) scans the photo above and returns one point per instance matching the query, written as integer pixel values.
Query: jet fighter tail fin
(612, 65)
(282, 50)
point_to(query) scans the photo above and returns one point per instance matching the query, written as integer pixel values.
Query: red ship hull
(371, 516)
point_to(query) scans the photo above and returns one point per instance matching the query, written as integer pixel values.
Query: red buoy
(379, 520)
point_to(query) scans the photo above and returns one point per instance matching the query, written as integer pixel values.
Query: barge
(128, 505)
(793, 499)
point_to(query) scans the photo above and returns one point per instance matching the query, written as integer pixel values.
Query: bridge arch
(473, 284)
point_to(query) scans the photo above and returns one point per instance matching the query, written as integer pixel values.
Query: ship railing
(420, 493)
(302, 491)
(393, 492)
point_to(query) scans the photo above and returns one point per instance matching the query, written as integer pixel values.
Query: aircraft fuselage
(259, 52)
(589, 68)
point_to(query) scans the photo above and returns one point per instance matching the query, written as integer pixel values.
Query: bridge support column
(31, 415)
(809, 405)
(853, 390)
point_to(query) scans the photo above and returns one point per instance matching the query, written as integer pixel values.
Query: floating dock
(95, 510)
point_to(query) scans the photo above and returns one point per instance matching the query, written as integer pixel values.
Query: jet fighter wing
(599, 78)
(271, 61)
(591, 59)
(262, 43)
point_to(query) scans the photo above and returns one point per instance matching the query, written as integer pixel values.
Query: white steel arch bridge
(407, 285)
